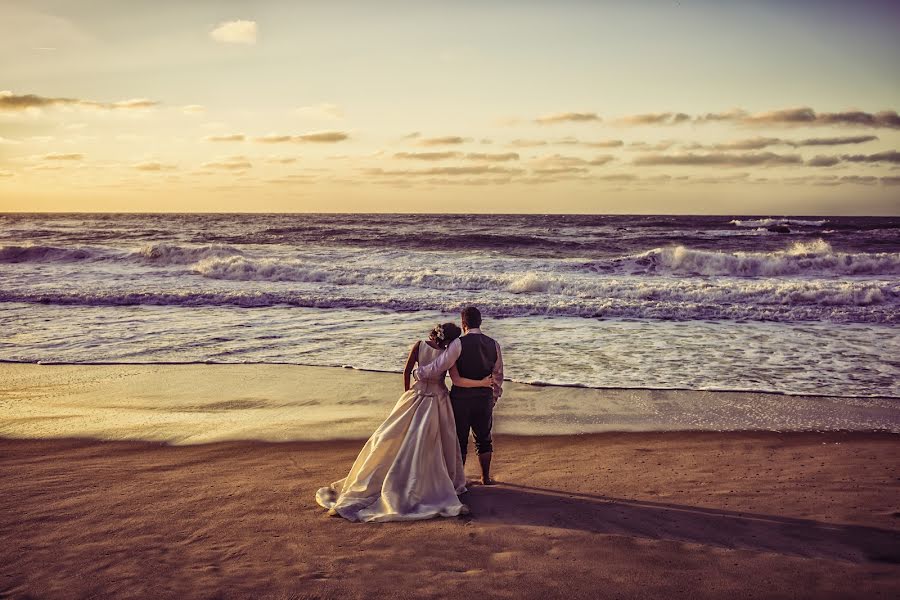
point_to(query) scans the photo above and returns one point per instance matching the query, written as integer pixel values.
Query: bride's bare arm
(460, 381)
(410, 361)
(444, 361)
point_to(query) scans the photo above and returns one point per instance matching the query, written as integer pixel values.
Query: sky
(698, 107)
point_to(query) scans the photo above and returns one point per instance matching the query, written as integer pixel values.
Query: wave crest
(802, 258)
(34, 253)
(770, 222)
(176, 254)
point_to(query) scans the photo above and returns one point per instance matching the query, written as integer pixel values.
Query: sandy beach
(631, 515)
(154, 506)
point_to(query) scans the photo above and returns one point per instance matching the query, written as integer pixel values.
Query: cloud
(527, 143)
(756, 143)
(546, 164)
(152, 166)
(235, 163)
(891, 156)
(808, 116)
(488, 157)
(833, 141)
(719, 159)
(235, 32)
(11, 174)
(321, 137)
(274, 139)
(567, 117)
(442, 141)
(859, 179)
(452, 171)
(646, 147)
(427, 155)
(58, 156)
(8, 141)
(566, 141)
(321, 111)
(663, 118)
(559, 170)
(20, 102)
(234, 137)
(823, 161)
(599, 144)
(193, 109)
(281, 160)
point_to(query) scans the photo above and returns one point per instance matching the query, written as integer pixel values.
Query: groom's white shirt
(448, 358)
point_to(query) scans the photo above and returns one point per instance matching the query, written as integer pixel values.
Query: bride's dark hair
(443, 334)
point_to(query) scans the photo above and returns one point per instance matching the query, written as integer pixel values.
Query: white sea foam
(802, 258)
(785, 221)
(181, 254)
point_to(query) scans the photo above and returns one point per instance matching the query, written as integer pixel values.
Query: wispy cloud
(823, 161)
(153, 166)
(193, 109)
(834, 141)
(489, 157)
(427, 155)
(648, 147)
(758, 143)
(235, 32)
(234, 163)
(61, 156)
(446, 171)
(808, 116)
(320, 137)
(568, 117)
(447, 140)
(720, 159)
(566, 141)
(20, 102)
(234, 137)
(663, 118)
(891, 156)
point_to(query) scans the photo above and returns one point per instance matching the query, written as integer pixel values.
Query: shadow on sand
(522, 505)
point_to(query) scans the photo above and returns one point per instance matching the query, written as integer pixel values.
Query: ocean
(800, 305)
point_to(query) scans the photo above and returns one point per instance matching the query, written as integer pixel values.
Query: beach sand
(147, 512)
(617, 515)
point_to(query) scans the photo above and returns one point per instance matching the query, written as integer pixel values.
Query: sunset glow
(656, 107)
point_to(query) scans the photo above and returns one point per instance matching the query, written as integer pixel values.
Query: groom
(474, 356)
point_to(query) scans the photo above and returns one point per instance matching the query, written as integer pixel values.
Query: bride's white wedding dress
(411, 468)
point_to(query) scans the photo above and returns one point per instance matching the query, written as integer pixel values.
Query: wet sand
(200, 403)
(612, 515)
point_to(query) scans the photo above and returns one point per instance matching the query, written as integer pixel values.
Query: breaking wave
(35, 253)
(815, 258)
(769, 222)
(177, 254)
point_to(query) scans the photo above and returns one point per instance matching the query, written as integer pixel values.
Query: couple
(412, 466)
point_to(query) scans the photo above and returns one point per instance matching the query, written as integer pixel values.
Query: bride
(411, 468)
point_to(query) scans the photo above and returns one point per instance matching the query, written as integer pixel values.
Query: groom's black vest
(476, 361)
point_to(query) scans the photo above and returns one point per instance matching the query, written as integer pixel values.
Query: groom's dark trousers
(473, 408)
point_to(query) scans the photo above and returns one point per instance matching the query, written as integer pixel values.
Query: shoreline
(537, 384)
(199, 403)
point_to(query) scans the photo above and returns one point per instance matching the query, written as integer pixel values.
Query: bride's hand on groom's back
(487, 381)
